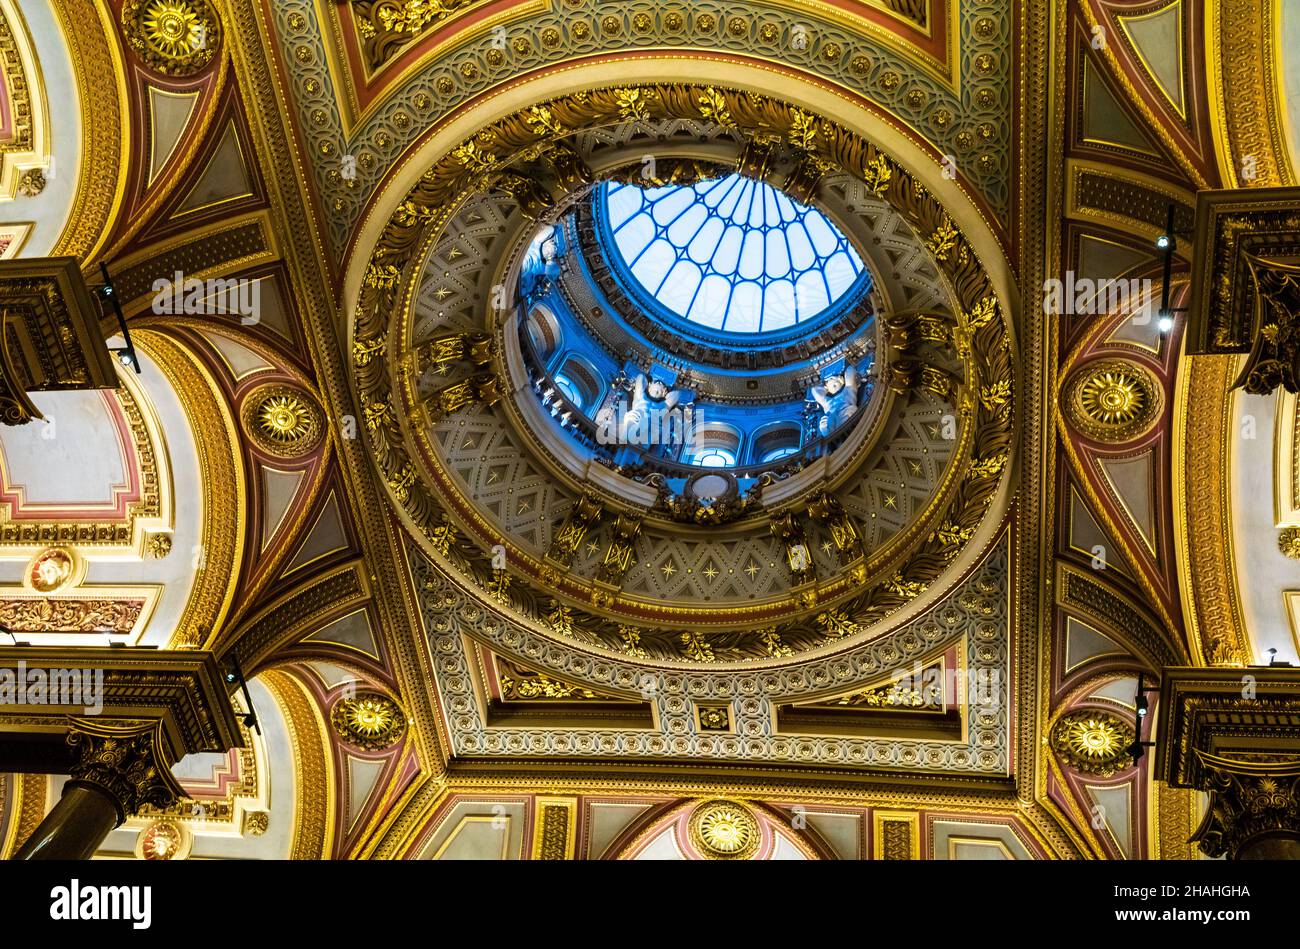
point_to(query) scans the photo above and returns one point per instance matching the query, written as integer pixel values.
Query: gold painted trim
(913, 821)
(1146, 65)
(171, 153)
(1149, 453)
(504, 854)
(543, 849)
(1091, 76)
(320, 514)
(233, 130)
(1202, 510)
(1286, 460)
(954, 841)
(1133, 852)
(1242, 41)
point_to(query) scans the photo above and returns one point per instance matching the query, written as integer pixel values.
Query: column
(116, 771)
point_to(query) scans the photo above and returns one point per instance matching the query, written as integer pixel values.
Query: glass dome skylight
(730, 254)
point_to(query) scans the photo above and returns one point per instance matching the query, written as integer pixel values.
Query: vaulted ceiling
(1046, 504)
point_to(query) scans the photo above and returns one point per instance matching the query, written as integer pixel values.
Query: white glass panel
(704, 246)
(711, 302)
(823, 238)
(746, 308)
(672, 204)
(679, 288)
(634, 236)
(811, 293)
(778, 306)
(727, 259)
(726, 239)
(751, 256)
(778, 258)
(654, 264)
(681, 231)
(623, 203)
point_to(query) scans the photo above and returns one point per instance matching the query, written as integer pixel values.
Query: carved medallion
(370, 721)
(282, 420)
(163, 840)
(52, 570)
(1093, 741)
(174, 37)
(1113, 400)
(724, 830)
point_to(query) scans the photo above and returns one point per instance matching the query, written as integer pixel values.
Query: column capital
(1249, 801)
(127, 763)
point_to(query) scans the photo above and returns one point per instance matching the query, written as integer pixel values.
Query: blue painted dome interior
(729, 262)
(731, 255)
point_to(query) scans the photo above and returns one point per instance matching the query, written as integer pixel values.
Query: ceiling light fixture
(125, 354)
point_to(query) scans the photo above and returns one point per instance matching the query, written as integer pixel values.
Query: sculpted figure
(838, 399)
(643, 420)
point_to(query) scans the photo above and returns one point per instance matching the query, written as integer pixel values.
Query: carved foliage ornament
(980, 335)
(1249, 800)
(1113, 400)
(173, 37)
(1093, 741)
(124, 765)
(724, 830)
(1275, 354)
(370, 721)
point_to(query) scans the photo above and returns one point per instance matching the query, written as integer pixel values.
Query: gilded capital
(1250, 801)
(125, 763)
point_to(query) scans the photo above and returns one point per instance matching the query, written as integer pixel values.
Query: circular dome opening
(731, 256)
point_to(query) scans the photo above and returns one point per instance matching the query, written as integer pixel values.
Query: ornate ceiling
(466, 640)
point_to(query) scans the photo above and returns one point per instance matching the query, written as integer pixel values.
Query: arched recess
(136, 492)
(78, 193)
(716, 829)
(312, 770)
(545, 331)
(221, 494)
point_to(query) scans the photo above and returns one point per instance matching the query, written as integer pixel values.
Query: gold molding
(100, 78)
(1243, 44)
(1286, 460)
(907, 822)
(26, 86)
(1215, 624)
(555, 828)
(1124, 20)
(222, 474)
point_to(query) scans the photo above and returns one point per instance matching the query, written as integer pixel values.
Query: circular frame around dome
(981, 336)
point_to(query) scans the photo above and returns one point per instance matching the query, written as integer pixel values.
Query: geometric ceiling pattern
(470, 634)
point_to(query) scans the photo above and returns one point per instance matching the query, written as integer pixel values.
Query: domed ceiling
(908, 539)
(623, 574)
